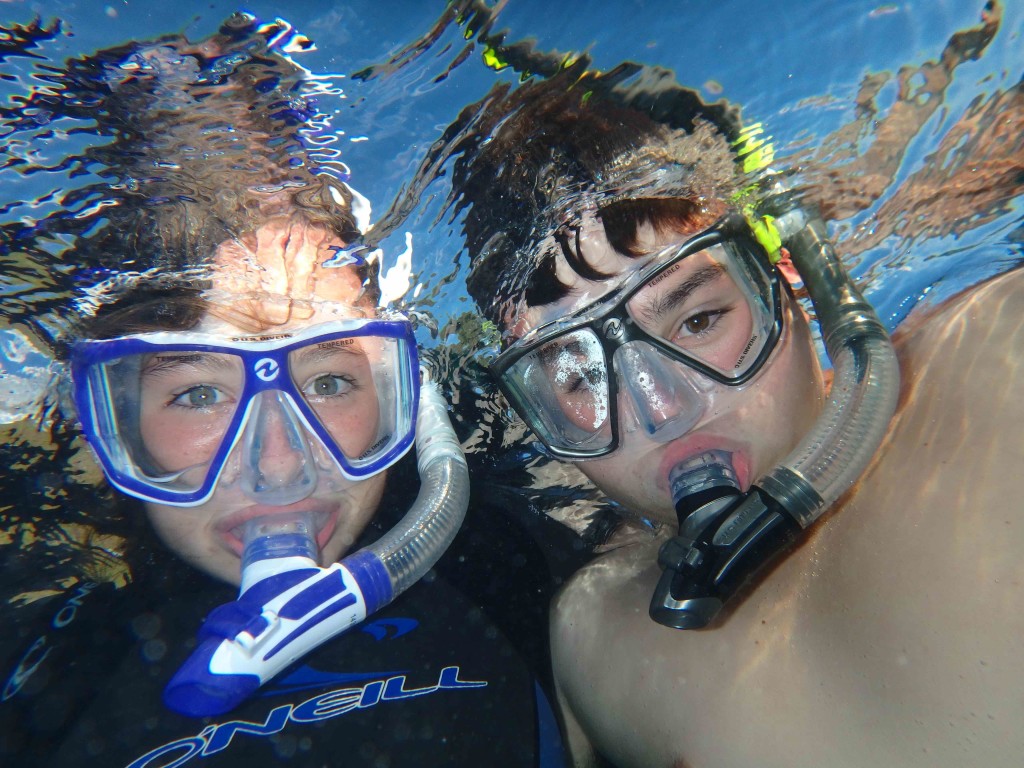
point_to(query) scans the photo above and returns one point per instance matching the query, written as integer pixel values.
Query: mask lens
(665, 402)
(277, 464)
(562, 387)
(162, 416)
(168, 418)
(714, 306)
(360, 390)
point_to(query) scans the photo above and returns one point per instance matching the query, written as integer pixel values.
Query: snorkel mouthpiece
(724, 536)
(288, 605)
(277, 544)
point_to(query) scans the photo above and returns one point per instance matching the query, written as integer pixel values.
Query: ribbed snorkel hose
(865, 386)
(415, 544)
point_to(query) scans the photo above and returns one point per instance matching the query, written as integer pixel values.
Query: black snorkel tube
(725, 536)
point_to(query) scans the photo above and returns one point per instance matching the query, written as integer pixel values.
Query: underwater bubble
(154, 650)
(146, 626)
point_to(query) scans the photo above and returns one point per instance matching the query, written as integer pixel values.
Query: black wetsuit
(428, 681)
(455, 672)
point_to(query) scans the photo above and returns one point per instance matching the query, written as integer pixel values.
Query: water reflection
(925, 189)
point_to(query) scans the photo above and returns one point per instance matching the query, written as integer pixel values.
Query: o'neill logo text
(215, 738)
(40, 649)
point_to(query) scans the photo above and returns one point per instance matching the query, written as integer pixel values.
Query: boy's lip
(694, 445)
(325, 518)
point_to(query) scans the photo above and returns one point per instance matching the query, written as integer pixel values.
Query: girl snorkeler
(235, 373)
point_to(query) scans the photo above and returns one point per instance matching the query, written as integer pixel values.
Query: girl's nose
(278, 466)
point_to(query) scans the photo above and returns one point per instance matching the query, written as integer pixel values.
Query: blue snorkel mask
(172, 414)
(175, 415)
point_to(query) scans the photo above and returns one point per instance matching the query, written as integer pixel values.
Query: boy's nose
(658, 395)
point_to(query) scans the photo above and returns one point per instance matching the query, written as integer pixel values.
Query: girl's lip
(694, 445)
(325, 517)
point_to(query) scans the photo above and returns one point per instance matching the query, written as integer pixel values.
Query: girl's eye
(328, 385)
(199, 396)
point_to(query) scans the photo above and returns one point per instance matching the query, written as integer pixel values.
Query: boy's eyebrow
(652, 307)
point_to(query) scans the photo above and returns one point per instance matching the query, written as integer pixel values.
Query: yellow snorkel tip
(767, 235)
(754, 150)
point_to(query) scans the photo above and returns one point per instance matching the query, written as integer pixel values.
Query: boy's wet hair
(606, 142)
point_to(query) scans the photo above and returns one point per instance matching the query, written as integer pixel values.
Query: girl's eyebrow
(329, 349)
(160, 363)
(652, 307)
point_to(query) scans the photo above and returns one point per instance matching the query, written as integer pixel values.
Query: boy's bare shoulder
(891, 636)
(983, 310)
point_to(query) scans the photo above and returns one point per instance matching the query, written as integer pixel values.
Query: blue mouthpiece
(278, 543)
(280, 550)
(288, 606)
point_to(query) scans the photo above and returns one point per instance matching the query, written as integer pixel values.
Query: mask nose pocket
(277, 466)
(663, 402)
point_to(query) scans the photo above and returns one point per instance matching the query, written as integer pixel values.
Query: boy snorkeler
(651, 337)
(243, 383)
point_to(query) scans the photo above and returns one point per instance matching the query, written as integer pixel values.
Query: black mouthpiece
(724, 537)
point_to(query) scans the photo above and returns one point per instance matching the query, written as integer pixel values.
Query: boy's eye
(700, 322)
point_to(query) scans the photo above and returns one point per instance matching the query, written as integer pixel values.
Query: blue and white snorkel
(173, 416)
(288, 606)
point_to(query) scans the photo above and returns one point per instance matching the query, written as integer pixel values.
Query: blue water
(796, 67)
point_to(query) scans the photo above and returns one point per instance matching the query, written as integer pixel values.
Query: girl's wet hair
(147, 310)
(192, 144)
(182, 307)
